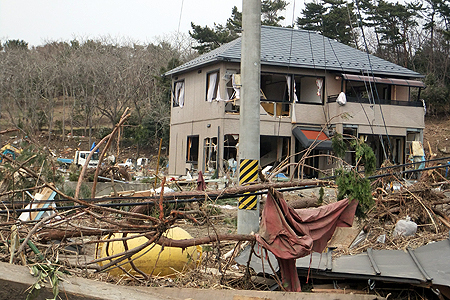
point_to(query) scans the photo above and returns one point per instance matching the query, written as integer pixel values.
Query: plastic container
(152, 260)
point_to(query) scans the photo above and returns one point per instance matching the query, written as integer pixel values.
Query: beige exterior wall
(396, 118)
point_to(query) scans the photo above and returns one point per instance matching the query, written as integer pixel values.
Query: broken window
(275, 97)
(178, 94)
(233, 93)
(230, 146)
(210, 154)
(384, 90)
(230, 152)
(212, 86)
(309, 89)
(291, 89)
(397, 149)
(273, 150)
(192, 149)
(414, 94)
(411, 136)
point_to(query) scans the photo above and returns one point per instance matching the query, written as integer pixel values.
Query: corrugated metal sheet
(426, 265)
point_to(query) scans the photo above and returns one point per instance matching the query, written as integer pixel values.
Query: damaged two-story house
(308, 83)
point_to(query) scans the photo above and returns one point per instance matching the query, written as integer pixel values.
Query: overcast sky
(142, 21)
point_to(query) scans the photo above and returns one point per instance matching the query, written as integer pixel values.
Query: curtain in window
(288, 82)
(236, 81)
(179, 94)
(211, 94)
(319, 83)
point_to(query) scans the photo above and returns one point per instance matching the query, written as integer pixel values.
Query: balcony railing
(333, 98)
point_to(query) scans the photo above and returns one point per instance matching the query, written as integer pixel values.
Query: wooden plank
(336, 291)
(242, 297)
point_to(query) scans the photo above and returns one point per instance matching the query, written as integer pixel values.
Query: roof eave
(200, 65)
(293, 65)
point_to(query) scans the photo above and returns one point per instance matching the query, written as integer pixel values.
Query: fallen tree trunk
(163, 241)
(241, 189)
(60, 234)
(56, 234)
(303, 202)
(8, 130)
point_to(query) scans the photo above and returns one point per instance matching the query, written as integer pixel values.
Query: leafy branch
(43, 272)
(350, 182)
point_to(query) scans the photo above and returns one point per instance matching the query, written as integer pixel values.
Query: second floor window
(212, 86)
(178, 94)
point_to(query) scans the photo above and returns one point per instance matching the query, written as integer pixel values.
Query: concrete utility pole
(249, 132)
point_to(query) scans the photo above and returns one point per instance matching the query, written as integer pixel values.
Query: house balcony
(333, 98)
(395, 115)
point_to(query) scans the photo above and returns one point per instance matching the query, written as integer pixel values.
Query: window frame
(192, 144)
(215, 93)
(175, 97)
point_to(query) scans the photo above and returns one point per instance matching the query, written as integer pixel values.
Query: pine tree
(332, 18)
(270, 10)
(211, 38)
(15, 45)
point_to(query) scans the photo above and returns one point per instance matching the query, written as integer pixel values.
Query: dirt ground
(437, 134)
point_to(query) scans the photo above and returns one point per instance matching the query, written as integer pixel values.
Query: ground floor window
(230, 153)
(349, 134)
(210, 154)
(192, 149)
(273, 150)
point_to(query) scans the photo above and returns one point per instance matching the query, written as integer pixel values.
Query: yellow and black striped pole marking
(248, 172)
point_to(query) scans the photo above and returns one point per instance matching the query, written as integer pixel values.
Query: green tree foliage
(393, 23)
(332, 18)
(438, 95)
(339, 145)
(211, 38)
(15, 45)
(433, 59)
(352, 184)
(270, 10)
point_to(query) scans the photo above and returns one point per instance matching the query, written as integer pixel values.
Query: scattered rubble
(42, 224)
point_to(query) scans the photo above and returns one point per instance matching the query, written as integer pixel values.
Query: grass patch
(227, 201)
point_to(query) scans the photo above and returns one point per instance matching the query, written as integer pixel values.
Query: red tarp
(201, 184)
(290, 234)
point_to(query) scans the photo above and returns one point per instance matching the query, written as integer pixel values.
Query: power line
(179, 19)
(370, 84)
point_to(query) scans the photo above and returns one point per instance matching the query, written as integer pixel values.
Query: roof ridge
(290, 29)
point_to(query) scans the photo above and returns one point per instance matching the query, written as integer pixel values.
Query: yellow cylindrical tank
(151, 260)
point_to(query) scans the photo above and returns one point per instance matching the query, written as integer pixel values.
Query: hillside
(437, 134)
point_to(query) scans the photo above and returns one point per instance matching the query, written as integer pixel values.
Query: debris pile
(425, 206)
(124, 237)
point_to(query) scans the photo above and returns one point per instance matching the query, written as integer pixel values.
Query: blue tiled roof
(302, 49)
